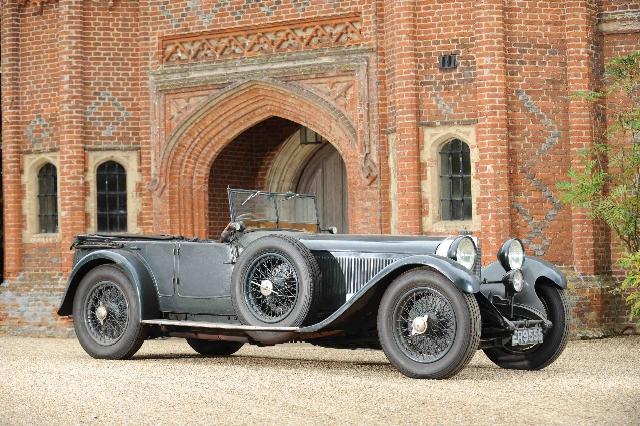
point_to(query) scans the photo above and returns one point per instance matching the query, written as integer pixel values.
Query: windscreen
(280, 209)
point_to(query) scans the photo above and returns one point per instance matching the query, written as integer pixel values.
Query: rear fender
(460, 277)
(133, 267)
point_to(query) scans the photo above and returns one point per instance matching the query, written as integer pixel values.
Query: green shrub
(607, 183)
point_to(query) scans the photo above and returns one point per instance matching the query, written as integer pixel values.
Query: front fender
(461, 278)
(533, 270)
(133, 267)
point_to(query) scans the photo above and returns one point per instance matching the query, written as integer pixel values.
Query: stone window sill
(43, 238)
(452, 226)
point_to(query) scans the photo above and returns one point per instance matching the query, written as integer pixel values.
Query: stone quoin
(404, 117)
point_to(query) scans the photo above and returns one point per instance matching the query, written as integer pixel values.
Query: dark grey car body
(183, 285)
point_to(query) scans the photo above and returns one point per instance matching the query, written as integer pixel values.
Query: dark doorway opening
(278, 155)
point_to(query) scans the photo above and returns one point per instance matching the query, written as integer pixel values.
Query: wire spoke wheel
(271, 287)
(424, 324)
(106, 313)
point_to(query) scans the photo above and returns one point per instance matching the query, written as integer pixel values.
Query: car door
(203, 270)
(161, 258)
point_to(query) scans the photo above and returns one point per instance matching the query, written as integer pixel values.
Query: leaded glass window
(111, 180)
(455, 181)
(47, 199)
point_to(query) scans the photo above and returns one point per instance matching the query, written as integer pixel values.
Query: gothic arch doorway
(325, 176)
(184, 169)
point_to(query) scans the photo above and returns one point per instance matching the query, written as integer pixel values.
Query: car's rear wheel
(106, 314)
(428, 329)
(273, 285)
(555, 340)
(213, 348)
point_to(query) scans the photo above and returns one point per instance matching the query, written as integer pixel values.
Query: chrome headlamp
(461, 249)
(511, 254)
(514, 281)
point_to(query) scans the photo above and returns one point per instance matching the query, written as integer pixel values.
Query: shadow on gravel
(251, 361)
(483, 372)
(166, 356)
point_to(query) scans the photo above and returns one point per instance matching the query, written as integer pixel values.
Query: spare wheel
(274, 284)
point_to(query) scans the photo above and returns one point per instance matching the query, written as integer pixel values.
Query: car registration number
(527, 336)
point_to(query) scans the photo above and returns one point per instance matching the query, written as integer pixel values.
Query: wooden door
(325, 176)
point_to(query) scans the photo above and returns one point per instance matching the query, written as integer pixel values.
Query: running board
(215, 325)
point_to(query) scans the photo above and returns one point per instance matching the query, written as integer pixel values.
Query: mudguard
(133, 267)
(533, 270)
(462, 279)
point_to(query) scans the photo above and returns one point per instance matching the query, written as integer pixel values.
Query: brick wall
(183, 83)
(536, 61)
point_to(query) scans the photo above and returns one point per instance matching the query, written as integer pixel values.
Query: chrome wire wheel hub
(101, 313)
(106, 313)
(271, 288)
(424, 324)
(419, 325)
(266, 288)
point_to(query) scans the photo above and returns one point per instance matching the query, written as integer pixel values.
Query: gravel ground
(52, 381)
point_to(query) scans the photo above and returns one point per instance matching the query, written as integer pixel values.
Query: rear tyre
(106, 314)
(212, 348)
(555, 340)
(428, 329)
(274, 284)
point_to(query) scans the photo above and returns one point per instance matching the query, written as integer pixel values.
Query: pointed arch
(187, 157)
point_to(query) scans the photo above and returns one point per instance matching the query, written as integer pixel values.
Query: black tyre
(274, 284)
(214, 348)
(555, 339)
(106, 314)
(428, 329)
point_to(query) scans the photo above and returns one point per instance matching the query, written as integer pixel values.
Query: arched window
(455, 181)
(47, 199)
(111, 182)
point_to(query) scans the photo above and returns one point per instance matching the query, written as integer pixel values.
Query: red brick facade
(201, 94)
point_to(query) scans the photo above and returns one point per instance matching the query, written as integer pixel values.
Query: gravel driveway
(52, 381)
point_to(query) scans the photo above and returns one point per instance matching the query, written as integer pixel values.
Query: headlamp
(463, 250)
(514, 281)
(511, 254)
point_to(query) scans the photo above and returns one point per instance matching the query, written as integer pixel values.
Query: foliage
(607, 182)
(631, 283)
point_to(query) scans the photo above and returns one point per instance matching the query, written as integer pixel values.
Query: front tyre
(214, 348)
(555, 340)
(106, 314)
(428, 329)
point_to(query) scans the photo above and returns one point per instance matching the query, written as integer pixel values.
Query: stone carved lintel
(293, 36)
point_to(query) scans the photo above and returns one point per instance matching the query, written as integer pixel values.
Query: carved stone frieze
(252, 41)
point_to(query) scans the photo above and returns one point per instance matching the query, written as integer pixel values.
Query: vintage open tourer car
(275, 276)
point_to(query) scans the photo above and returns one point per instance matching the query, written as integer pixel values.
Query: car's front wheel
(555, 339)
(106, 314)
(214, 348)
(428, 329)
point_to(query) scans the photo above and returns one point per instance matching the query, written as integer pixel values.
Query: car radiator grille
(345, 275)
(477, 266)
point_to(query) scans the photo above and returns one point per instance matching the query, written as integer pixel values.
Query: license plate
(527, 336)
